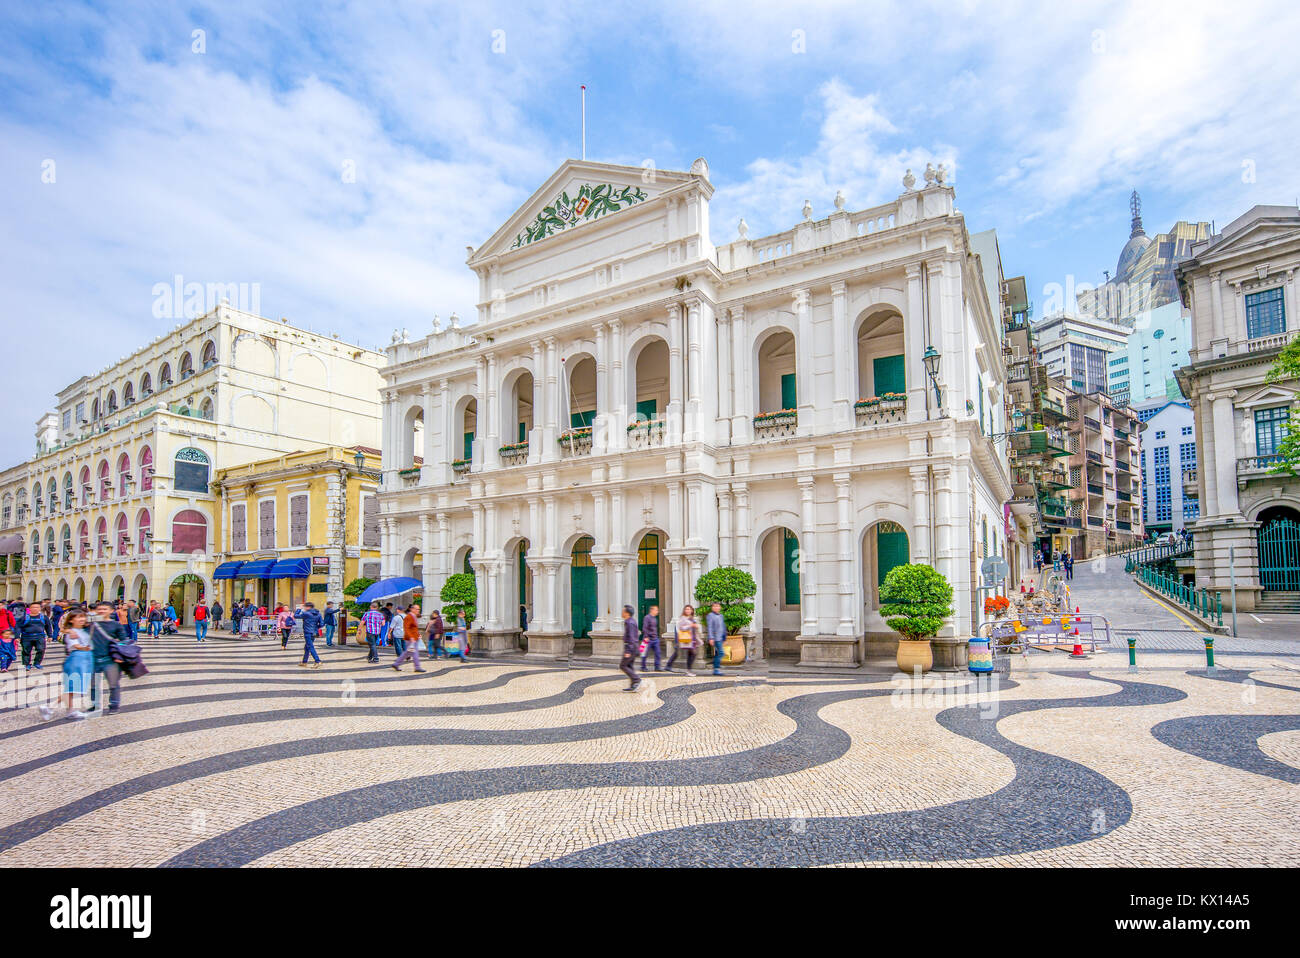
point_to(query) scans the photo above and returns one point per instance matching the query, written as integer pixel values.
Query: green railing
(1208, 607)
(1149, 555)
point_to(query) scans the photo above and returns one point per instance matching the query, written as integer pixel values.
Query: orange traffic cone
(1078, 647)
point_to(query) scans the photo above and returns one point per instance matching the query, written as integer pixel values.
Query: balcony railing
(1223, 349)
(1257, 465)
(646, 434)
(775, 425)
(1092, 424)
(1121, 465)
(460, 467)
(575, 442)
(1094, 489)
(1093, 456)
(877, 410)
(1123, 496)
(514, 454)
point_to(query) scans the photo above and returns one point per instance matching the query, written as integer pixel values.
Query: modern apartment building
(1078, 349)
(1169, 468)
(1105, 474)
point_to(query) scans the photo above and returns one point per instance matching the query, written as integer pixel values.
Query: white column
(806, 391)
(919, 546)
(725, 543)
(844, 537)
(428, 560)
(432, 435)
(694, 368)
(914, 343)
(390, 430)
(943, 557)
(945, 340)
(1225, 454)
(846, 352)
(807, 556)
(743, 555)
(491, 453)
(451, 439)
(725, 384)
(675, 410)
(602, 375)
(741, 392)
(479, 448)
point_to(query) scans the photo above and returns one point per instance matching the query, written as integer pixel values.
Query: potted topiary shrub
(915, 599)
(732, 589)
(459, 596)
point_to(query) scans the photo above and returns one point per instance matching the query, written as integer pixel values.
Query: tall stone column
(1225, 452)
(614, 403)
(602, 378)
(432, 435)
(391, 431)
(914, 343)
(428, 558)
(943, 521)
(491, 451)
(723, 373)
(809, 625)
(947, 333)
(743, 557)
(450, 443)
(480, 414)
(676, 404)
(920, 543)
(694, 370)
(805, 368)
(844, 542)
(742, 392)
(725, 543)
(845, 350)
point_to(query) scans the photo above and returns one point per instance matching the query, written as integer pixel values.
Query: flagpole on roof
(584, 121)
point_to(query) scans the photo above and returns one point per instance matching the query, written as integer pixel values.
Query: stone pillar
(694, 370)
(598, 434)
(725, 543)
(844, 544)
(451, 441)
(723, 373)
(491, 451)
(432, 435)
(428, 564)
(943, 557)
(1225, 452)
(391, 431)
(920, 542)
(479, 449)
(743, 556)
(805, 369)
(846, 352)
(914, 343)
(741, 391)
(807, 556)
(676, 406)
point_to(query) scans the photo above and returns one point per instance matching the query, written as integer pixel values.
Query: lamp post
(360, 460)
(931, 360)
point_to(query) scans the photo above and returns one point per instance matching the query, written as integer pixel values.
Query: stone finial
(700, 167)
(839, 200)
(437, 324)
(909, 181)
(406, 335)
(929, 174)
(455, 320)
(742, 228)
(397, 337)
(807, 209)
(941, 175)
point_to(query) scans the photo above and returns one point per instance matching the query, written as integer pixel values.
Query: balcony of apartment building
(1189, 481)
(1052, 411)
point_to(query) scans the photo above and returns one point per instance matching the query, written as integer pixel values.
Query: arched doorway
(775, 381)
(522, 584)
(117, 591)
(884, 545)
(779, 590)
(97, 590)
(650, 578)
(184, 593)
(1278, 541)
(582, 587)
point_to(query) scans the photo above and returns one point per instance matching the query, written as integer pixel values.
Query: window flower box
(575, 442)
(460, 466)
(779, 417)
(514, 453)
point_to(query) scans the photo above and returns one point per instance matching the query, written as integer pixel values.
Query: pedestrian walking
(201, 621)
(217, 612)
(105, 635)
(1069, 567)
(650, 637)
(133, 620)
(410, 627)
(433, 634)
(284, 622)
(373, 623)
(8, 653)
(32, 630)
(155, 619)
(311, 625)
(631, 645)
(688, 639)
(330, 616)
(459, 644)
(78, 663)
(716, 630)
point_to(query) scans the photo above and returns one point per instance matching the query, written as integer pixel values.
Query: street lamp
(931, 360)
(360, 459)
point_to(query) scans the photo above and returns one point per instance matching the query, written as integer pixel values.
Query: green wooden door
(469, 446)
(647, 409)
(789, 393)
(647, 576)
(790, 568)
(582, 588)
(887, 375)
(891, 550)
(581, 420)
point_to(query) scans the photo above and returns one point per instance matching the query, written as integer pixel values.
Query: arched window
(94, 409)
(84, 488)
(67, 543)
(69, 493)
(7, 511)
(205, 410)
(124, 478)
(164, 375)
(38, 501)
(83, 540)
(189, 531)
(122, 535)
(209, 354)
(146, 386)
(187, 366)
(101, 537)
(49, 544)
(191, 470)
(112, 402)
(144, 533)
(146, 469)
(36, 549)
(52, 493)
(128, 394)
(105, 483)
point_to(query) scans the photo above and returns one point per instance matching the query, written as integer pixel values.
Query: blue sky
(225, 165)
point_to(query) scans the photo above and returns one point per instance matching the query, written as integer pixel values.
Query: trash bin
(980, 655)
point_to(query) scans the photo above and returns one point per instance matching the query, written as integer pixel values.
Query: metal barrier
(1149, 554)
(1067, 628)
(1189, 597)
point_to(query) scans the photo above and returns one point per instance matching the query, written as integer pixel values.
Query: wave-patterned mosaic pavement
(228, 754)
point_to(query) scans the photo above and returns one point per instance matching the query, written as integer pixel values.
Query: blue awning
(257, 569)
(227, 570)
(290, 569)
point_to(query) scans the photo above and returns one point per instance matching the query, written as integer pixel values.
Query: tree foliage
(459, 596)
(915, 599)
(732, 589)
(1287, 366)
(355, 588)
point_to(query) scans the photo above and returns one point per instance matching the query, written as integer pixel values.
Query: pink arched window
(105, 483)
(83, 540)
(122, 534)
(146, 469)
(101, 537)
(84, 488)
(124, 476)
(142, 530)
(189, 531)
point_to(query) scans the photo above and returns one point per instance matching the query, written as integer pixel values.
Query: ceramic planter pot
(914, 652)
(733, 650)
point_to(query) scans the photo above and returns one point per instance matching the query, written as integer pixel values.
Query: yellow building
(297, 526)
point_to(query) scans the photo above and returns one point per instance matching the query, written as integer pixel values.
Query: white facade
(1145, 370)
(1078, 349)
(1169, 466)
(1241, 288)
(723, 389)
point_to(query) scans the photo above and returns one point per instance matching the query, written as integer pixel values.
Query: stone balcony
(1256, 467)
(575, 443)
(1222, 348)
(646, 434)
(879, 411)
(515, 454)
(775, 425)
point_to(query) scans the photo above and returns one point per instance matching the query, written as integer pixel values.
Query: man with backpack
(200, 620)
(106, 633)
(32, 629)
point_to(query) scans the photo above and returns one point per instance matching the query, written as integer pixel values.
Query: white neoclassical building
(634, 406)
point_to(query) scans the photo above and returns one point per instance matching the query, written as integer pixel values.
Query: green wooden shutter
(523, 431)
(469, 446)
(581, 420)
(888, 375)
(981, 392)
(791, 568)
(789, 394)
(891, 551)
(647, 409)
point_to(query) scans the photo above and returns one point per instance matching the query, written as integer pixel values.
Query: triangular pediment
(1253, 235)
(577, 195)
(1267, 395)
